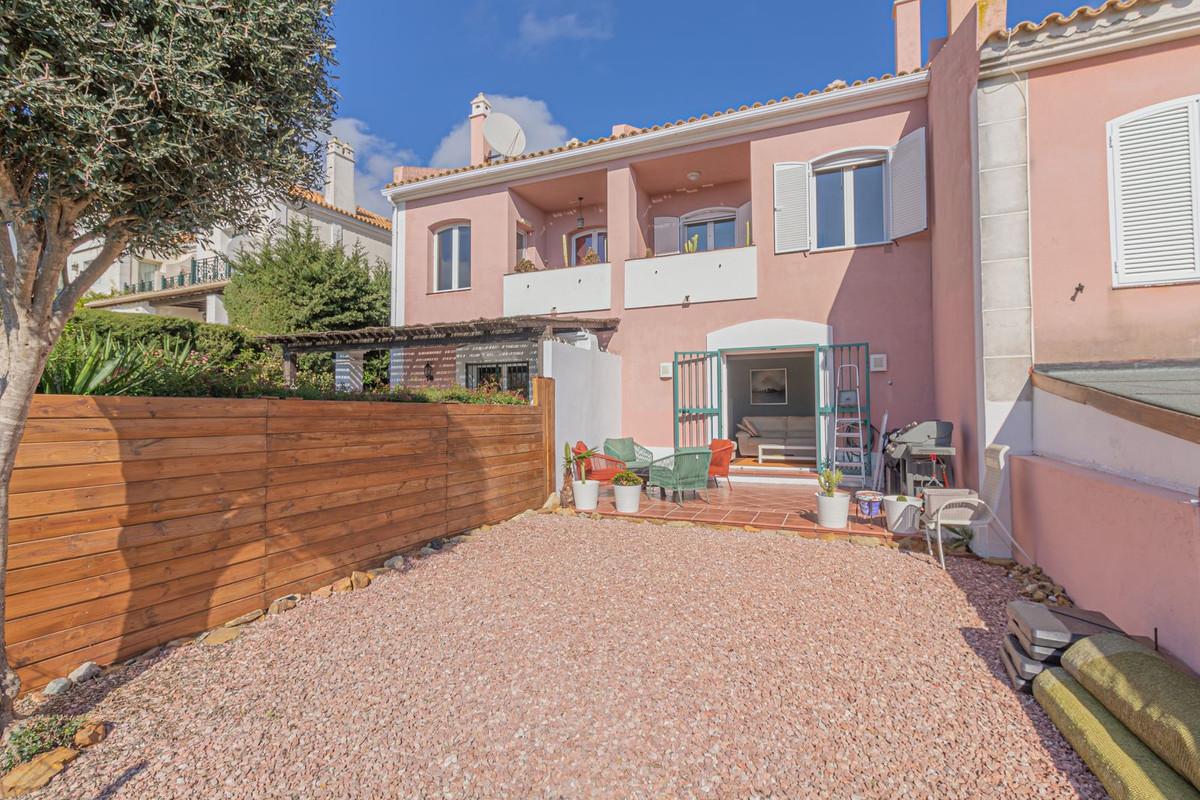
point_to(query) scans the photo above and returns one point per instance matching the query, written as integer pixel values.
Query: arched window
(595, 240)
(452, 257)
(850, 205)
(708, 229)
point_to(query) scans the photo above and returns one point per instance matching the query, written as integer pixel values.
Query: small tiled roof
(359, 213)
(1083, 12)
(574, 144)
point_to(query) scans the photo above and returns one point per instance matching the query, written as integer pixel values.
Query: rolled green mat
(1156, 701)
(1128, 769)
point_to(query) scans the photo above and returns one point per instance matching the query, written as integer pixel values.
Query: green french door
(698, 384)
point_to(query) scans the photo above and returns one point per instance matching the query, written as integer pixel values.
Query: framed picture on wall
(768, 387)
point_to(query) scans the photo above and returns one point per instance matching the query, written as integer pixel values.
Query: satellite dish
(504, 134)
(237, 244)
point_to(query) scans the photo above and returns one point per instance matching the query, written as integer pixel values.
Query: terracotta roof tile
(575, 144)
(1083, 12)
(360, 214)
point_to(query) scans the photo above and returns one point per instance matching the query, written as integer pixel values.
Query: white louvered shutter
(1154, 161)
(908, 201)
(666, 236)
(741, 223)
(792, 208)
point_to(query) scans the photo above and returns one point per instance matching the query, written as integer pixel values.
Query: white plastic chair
(975, 512)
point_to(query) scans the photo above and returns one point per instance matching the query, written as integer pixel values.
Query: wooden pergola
(349, 346)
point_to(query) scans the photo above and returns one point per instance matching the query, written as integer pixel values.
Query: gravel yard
(563, 657)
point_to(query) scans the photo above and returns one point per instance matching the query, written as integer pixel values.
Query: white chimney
(480, 108)
(339, 175)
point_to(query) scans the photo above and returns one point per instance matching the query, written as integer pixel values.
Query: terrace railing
(201, 271)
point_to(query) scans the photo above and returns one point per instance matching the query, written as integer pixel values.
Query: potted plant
(525, 265)
(833, 507)
(586, 492)
(627, 491)
(589, 258)
(903, 513)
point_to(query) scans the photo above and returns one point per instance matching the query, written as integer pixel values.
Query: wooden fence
(134, 521)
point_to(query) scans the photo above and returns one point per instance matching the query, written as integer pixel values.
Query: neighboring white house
(190, 283)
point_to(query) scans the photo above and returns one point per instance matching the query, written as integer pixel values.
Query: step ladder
(851, 430)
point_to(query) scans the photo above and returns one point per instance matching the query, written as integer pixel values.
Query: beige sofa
(792, 431)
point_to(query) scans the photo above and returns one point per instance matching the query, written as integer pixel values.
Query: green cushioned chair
(633, 454)
(1159, 703)
(685, 470)
(1128, 769)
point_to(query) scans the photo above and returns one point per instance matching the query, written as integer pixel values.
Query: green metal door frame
(696, 398)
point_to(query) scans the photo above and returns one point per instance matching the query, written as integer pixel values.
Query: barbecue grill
(918, 455)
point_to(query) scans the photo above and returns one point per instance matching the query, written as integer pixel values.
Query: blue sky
(408, 70)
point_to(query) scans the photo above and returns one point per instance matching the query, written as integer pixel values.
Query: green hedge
(228, 362)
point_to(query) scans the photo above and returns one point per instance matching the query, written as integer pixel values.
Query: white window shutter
(908, 200)
(666, 236)
(1153, 164)
(793, 213)
(741, 223)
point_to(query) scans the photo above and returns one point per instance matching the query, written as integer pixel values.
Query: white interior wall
(587, 396)
(1080, 434)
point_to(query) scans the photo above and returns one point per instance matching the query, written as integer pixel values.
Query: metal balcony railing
(201, 271)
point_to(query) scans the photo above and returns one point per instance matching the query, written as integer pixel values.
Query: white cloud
(536, 31)
(541, 131)
(374, 158)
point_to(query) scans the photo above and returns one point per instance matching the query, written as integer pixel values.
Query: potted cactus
(586, 492)
(627, 491)
(833, 507)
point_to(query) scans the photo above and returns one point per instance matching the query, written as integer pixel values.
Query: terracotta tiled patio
(791, 507)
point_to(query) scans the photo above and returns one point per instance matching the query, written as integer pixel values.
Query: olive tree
(132, 126)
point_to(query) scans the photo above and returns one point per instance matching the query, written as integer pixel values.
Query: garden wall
(135, 521)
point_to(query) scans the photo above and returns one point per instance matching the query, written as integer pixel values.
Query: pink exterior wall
(954, 73)
(1127, 549)
(1069, 108)
(880, 295)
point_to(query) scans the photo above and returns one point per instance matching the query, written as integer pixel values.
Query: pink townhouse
(784, 238)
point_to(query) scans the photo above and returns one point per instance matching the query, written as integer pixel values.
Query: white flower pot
(903, 516)
(628, 498)
(833, 512)
(587, 494)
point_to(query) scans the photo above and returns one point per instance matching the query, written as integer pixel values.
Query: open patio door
(698, 385)
(844, 410)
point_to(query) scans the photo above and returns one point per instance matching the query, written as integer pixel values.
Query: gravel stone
(85, 672)
(396, 563)
(561, 657)
(57, 686)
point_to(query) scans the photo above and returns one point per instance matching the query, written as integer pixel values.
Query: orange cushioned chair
(722, 454)
(600, 467)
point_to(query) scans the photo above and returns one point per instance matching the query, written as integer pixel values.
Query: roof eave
(854, 98)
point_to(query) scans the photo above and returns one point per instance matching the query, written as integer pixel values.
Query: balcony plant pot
(628, 498)
(587, 494)
(833, 511)
(903, 516)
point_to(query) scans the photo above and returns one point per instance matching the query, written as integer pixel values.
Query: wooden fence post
(543, 397)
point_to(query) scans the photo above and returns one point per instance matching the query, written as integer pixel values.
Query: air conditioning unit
(666, 370)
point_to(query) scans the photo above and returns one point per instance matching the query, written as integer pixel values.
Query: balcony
(199, 272)
(706, 277)
(563, 291)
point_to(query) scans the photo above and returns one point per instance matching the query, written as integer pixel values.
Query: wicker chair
(685, 470)
(627, 450)
(722, 454)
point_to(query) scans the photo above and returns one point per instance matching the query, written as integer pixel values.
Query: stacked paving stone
(1038, 635)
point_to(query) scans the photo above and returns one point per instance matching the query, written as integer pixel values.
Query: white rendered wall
(587, 396)
(562, 291)
(692, 278)
(1080, 434)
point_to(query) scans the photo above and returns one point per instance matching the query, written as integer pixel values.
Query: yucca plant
(107, 365)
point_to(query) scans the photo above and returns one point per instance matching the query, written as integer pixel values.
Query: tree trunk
(26, 360)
